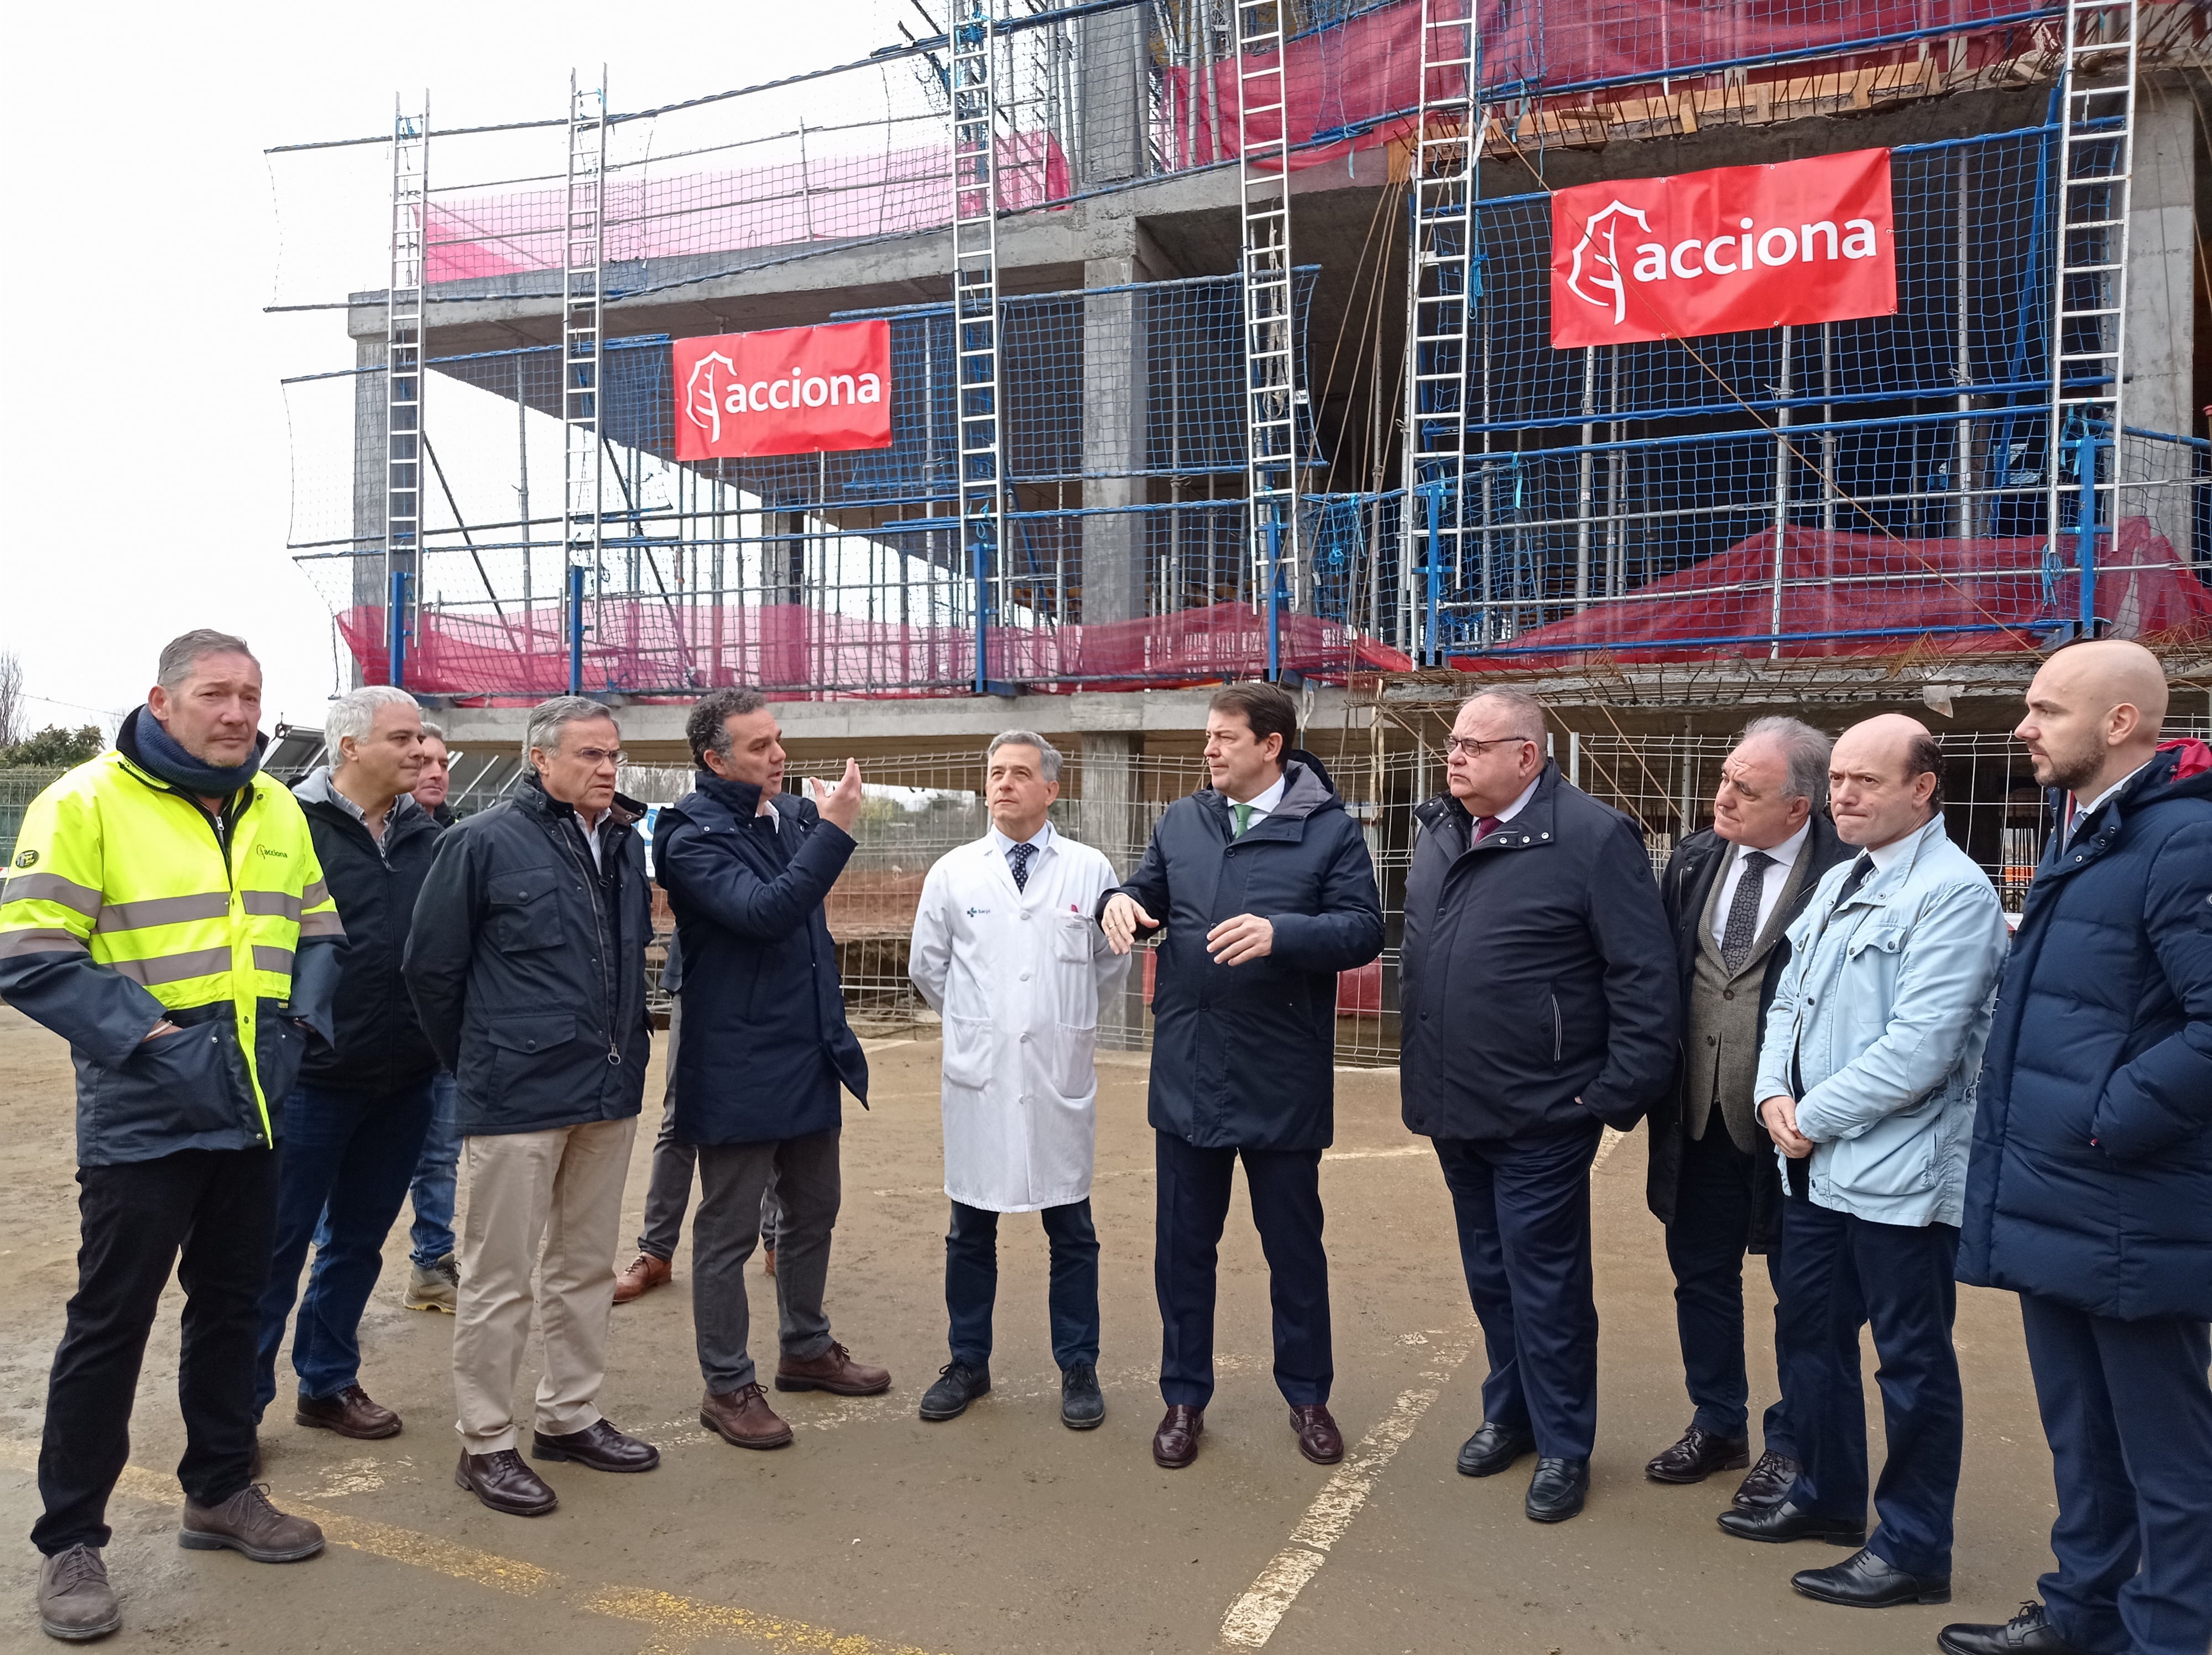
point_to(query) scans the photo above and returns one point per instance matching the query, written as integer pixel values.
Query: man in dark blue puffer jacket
(2090, 1189)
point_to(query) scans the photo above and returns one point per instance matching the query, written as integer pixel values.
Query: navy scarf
(142, 738)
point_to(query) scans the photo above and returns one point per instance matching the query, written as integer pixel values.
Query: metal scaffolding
(975, 139)
(402, 378)
(583, 290)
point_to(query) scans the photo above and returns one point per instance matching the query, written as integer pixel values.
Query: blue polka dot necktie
(1018, 859)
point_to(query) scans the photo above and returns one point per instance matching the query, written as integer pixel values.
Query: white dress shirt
(1042, 839)
(591, 836)
(1775, 875)
(1260, 803)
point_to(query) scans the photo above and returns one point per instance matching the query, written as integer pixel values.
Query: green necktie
(1243, 814)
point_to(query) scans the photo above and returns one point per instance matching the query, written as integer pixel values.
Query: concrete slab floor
(1002, 1530)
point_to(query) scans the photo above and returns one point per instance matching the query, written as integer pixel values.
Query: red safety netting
(637, 645)
(1359, 71)
(1862, 595)
(891, 192)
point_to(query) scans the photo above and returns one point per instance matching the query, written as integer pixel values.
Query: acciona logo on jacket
(1722, 251)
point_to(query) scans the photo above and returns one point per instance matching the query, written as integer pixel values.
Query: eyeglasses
(1473, 748)
(596, 757)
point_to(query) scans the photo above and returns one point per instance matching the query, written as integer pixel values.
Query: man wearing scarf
(165, 913)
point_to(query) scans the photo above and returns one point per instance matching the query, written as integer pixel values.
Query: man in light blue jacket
(1866, 1083)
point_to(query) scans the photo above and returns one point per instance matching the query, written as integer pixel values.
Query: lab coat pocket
(967, 1052)
(1075, 1052)
(1072, 936)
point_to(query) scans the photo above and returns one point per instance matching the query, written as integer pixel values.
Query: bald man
(2089, 1193)
(1866, 1079)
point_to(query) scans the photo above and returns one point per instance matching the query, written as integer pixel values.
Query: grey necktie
(1743, 913)
(1018, 859)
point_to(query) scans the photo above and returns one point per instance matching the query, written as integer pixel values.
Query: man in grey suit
(1730, 893)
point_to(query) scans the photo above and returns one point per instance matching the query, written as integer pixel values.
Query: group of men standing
(1846, 1065)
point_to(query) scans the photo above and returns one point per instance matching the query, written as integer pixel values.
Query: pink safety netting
(636, 644)
(1864, 595)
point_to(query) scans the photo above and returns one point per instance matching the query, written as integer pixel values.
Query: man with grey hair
(356, 1116)
(1004, 952)
(1730, 893)
(527, 964)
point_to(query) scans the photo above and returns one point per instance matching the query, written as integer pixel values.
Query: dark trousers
(734, 1179)
(2128, 1413)
(971, 1283)
(1524, 1210)
(1845, 1273)
(218, 1208)
(1193, 1206)
(348, 1158)
(435, 1177)
(1705, 1245)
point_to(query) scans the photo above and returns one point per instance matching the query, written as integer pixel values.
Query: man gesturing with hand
(1265, 890)
(766, 1054)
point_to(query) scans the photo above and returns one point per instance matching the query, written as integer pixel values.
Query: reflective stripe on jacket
(126, 904)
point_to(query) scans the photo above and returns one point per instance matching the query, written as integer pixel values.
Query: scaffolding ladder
(1272, 394)
(1441, 284)
(403, 379)
(2088, 333)
(976, 308)
(583, 292)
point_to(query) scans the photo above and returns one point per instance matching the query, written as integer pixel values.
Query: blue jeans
(352, 1152)
(433, 1191)
(971, 1283)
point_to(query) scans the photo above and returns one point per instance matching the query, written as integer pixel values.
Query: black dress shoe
(1698, 1456)
(958, 1385)
(1491, 1449)
(1557, 1491)
(1174, 1442)
(597, 1446)
(1769, 1483)
(1784, 1522)
(2027, 1633)
(1082, 1404)
(1865, 1581)
(503, 1482)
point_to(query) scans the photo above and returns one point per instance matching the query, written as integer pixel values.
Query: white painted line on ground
(1253, 1618)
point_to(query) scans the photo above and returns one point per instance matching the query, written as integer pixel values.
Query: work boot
(433, 1287)
(743, 1418)
(1082, 1404)
(958, 1384)
(75, 1602)
(247, 1523)
(644, 1274)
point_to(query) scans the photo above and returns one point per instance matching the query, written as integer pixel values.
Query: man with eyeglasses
(527, 962)
(1539, 1005)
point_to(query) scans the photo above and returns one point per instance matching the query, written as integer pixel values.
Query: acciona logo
(716, 389)
(1717, 252)
(783, 391)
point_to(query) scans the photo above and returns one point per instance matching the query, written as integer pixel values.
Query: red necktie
(1485, 826)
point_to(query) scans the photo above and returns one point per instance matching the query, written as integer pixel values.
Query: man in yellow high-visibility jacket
(165, 913)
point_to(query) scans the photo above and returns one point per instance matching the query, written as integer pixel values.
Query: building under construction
(1222, 344)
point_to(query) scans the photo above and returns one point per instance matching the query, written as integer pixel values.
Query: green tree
(54, 749)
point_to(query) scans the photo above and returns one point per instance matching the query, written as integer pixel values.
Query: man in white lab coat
(1004, 951)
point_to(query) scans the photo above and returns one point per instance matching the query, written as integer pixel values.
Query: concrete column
(1111, 810)
(1111, 73)
(2162, 311)
(1114, 433)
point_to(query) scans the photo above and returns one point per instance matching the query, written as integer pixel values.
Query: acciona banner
(788, 391)
(1722, 251)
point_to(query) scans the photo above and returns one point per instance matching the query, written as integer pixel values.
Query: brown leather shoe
(598, 1445)
(247, 1523)
(834, 1370)
(743, 1418)
(768, 1261)
(644, 1274)
(1175, 1445)
(503, 1482)
(350, 1414)
(1319, 1439)
(1698, 1456)
(1768, 1485)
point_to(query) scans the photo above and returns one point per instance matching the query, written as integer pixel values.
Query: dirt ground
(876, 1533)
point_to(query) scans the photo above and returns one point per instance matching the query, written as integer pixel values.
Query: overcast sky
(146, 432)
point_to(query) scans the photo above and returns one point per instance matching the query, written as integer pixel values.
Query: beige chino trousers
(549, 1202)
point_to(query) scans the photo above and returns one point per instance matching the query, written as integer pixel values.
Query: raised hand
(839, 805)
